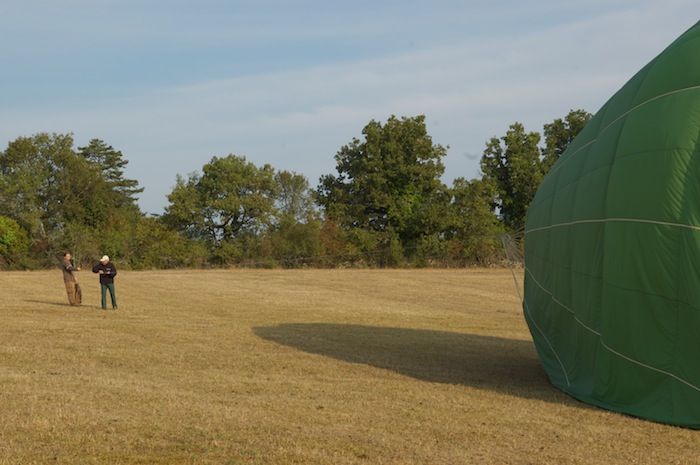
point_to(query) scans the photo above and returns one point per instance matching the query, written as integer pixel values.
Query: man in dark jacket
(107, 272)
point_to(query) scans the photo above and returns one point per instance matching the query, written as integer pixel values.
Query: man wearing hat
(107, 272)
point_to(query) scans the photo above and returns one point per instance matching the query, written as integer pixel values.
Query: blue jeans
(111, 294)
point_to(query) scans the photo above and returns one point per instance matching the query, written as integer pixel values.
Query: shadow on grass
(504, 365)
(48, 302)
(61, 304)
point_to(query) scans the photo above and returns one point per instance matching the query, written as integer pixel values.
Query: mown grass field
(294, 367)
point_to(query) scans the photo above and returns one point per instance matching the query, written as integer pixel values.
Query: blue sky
(173, 83)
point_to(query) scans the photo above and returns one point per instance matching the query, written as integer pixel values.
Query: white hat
(104, 258)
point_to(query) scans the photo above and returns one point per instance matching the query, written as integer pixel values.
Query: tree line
(385, 206)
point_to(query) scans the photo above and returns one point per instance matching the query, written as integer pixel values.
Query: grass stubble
(294, 367)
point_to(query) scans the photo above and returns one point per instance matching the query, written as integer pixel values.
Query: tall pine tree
(111, 164)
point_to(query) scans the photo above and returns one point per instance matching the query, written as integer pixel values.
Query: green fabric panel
(643, 329)
(612, 249)
(688, 288)
(687, 344)
(587, 274)
(632, 264)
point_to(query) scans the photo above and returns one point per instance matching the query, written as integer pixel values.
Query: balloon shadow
(504, 365)
(48, 302)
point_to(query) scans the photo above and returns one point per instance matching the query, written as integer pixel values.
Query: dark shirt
(109, 272)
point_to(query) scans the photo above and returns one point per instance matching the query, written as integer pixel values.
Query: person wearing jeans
(107, 272)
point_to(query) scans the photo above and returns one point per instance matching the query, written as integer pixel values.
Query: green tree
(294, 237)
(294, 199)
(475, 230)
(560, 133)
(294, 244)
(111, 164)
(62, 199)
(157, 247)
(27, 176)
(231, 198)
(387, 185)
(512, 165)
(14, 244)
(45, 186)
(515, 165)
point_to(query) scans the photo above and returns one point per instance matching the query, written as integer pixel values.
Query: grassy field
(294, 367)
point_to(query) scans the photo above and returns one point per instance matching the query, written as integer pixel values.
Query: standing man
(70, 280)
(107, 272)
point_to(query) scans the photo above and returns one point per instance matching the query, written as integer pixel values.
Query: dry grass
(294, 367)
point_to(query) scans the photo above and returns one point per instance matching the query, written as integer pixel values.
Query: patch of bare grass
(294, 367)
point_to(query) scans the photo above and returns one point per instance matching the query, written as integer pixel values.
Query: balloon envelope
(612, 249)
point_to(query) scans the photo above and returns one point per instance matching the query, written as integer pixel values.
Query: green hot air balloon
(612, 249)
